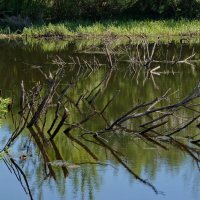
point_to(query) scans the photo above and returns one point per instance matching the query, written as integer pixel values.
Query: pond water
(71, 172)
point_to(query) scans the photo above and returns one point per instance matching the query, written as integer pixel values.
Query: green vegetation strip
(116, 28)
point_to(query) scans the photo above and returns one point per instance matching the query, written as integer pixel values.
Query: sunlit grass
(93, 34)
(47, 30)
(118, 28)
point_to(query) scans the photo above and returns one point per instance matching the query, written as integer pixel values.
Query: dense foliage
(168, 8)
(98, 9)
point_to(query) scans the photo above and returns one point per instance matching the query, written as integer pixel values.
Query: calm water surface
(172, 172)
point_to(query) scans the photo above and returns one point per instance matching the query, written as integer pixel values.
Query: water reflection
(93, 180)
(102, 172)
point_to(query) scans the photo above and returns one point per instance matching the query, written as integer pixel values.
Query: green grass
(93, 34)
(3, 107)
(116, 28)
(49, 30)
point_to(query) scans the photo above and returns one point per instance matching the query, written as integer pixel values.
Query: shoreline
(110, 30)
(78, 36)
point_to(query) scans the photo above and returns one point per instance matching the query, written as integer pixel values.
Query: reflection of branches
(142, 60)
(186, 149)
(73, 139)
(43, 151)
(36, 103)
(20, 175)
(125, 165)
(144, 55)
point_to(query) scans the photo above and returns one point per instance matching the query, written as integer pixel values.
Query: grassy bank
(85, 29)
(116, 28)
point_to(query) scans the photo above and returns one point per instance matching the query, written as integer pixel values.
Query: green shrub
(166, 8)
(99, 9)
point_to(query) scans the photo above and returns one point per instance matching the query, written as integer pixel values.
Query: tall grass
(48, 30)
(118, 28)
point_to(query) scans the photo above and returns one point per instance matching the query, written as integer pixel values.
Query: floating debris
(23, 157)
(62, 163)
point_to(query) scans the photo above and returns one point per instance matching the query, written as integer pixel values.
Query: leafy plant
(3, 107)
